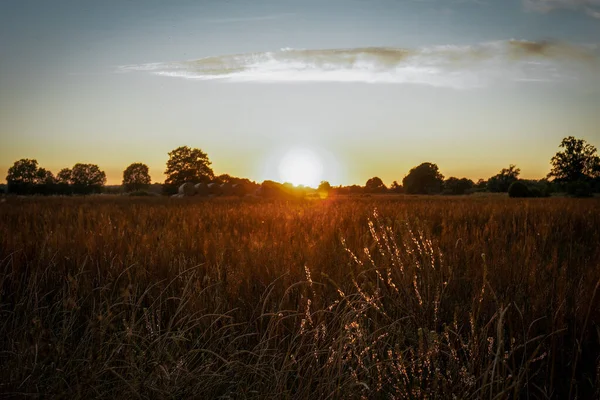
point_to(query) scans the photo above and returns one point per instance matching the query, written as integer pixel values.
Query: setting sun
(301, 167)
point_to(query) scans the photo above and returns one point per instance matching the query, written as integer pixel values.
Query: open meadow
(401, 297)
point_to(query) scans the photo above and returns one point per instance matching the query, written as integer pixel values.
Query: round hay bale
(214, 189)
(202, 189)
(226, 189)
(237, 189)
(187, 189)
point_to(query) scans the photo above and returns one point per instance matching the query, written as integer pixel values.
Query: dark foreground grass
(402, 298)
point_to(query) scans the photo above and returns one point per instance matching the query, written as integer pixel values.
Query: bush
(579, 189)
(113, 189)
(142, 193)
(169, 189)
(518, 189)
(455, 186)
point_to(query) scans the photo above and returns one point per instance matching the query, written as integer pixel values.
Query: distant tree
(188, 165)
(224, 178)
(395, 187)
(22, 176)
(502, 181)
(375, 185)
(348, 190)
(23, 171)
(536, 188)
(457, 186)
(580, 188)
(45, 182)
(244, 185)
(423, 179)
(578, 161)
(480, 185)
(44, 177)
(63, 181)
(324, 186)
(64, 176)
(324, 189)
(136, 177)
(87, 178)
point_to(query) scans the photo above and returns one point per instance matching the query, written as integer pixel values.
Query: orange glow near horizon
(301, 167)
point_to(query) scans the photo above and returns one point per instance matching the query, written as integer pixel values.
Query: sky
(364, 87)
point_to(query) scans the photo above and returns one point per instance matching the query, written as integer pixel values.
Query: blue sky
(90, 81)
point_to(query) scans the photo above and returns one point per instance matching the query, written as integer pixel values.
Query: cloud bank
(442, 66)
(591, 7)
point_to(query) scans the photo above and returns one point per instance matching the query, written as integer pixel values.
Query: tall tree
(375, 185)
(578, 161)
(64, 176)
(136, 177)
(396, 187)
(324, 186)
(188, 165)
(64, 181)
(45, 182)
(87, 178)
(502, 181)
(44, 177)
(457, 186)
(423, 179)
(23, 171)
(22, 176)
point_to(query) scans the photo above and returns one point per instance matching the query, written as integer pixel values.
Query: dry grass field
(382, 297)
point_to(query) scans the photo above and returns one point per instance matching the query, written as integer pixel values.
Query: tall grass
(406, 298)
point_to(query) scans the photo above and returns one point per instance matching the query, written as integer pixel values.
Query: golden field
(374, 297)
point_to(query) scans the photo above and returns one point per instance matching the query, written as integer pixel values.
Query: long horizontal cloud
(590, 7)
(445, 66)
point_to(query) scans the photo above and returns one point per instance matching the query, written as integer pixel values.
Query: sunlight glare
(301, 167)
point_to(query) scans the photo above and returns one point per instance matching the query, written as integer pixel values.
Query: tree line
(575, 170)
(185, 164)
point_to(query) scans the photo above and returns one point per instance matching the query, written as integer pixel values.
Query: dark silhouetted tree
(324, 186)
(457, 186)
(502, 181)
(245, 183)
(423, 179)
(188, 165)
(480, 185)
(44, 177)
(518, 189)
(324, 189)
(64, 176)
(45, 182)
(22, 176)
(375, 185)
(87, 178)
(395, 187)
(348, 190)
(223, 178)
(136, 177)
(578, 161)
(63, 181)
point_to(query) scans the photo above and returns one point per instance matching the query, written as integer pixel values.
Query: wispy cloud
(592, 12)
(590, 7)
(444, 66)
